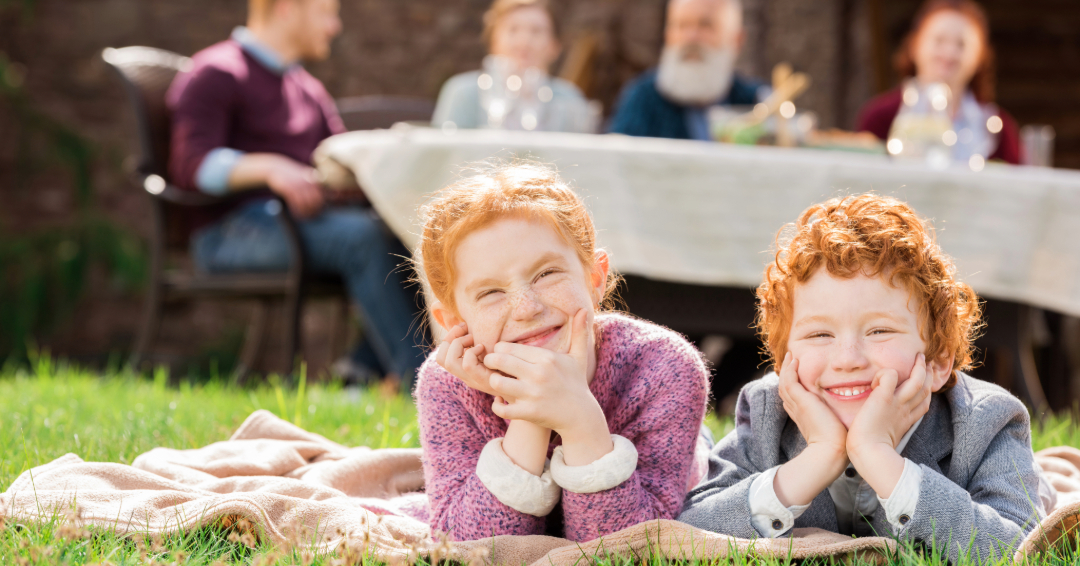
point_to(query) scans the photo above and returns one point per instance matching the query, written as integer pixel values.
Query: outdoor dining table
(694, 222)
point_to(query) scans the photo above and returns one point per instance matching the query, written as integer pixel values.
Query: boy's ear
(444, 316)
(599, 278)
(940, 371)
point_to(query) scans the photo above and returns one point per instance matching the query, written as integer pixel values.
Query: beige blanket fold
(299, 488)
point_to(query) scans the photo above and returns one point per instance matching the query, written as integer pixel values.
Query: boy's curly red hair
(877, 236)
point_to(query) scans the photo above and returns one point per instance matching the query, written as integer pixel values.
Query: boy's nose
(848, 357)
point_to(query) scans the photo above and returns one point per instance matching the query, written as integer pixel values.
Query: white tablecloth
(708, 213)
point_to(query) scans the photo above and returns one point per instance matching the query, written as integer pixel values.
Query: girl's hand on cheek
(459, 355)
(818, 423)
(547, 388)
(890, 411)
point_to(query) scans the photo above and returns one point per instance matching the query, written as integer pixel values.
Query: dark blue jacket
(642, 111)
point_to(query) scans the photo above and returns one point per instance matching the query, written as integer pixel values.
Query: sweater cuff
(213, 175)
(512, 485)
(609, 471)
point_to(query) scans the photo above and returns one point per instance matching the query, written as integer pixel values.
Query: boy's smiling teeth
(849, 391)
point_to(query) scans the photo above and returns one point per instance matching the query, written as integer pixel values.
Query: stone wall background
(410, 48)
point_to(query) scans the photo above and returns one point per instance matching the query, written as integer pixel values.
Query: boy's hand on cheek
(884, 419)
(818, 423)
(459, 355)
(800, 480)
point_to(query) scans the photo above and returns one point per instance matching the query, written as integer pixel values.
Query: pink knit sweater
(653, 387)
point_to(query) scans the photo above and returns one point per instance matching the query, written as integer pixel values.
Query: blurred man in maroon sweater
(248, 116)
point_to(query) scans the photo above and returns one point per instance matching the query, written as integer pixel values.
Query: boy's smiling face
(845, 331)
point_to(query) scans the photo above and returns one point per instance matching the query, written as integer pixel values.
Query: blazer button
(777, 524)
(850, 472)
(904, 519)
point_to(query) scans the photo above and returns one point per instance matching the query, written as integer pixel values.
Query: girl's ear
(444, 316)
(599, 279)
(940, 371)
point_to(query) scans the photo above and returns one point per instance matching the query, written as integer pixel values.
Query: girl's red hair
(493, 192)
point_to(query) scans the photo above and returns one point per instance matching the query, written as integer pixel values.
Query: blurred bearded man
(697, 70)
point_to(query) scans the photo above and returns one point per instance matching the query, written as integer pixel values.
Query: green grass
(52, 409)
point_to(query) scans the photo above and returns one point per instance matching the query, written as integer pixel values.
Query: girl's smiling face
(519, 281)
(845, 331)
(948, 49)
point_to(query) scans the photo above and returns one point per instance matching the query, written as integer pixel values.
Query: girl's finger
(580, 337)
(510, 365)
(457, 348)
(455, 332)
(530, 354)
(511, 412)
(440, 354)
(471, 360)
(507, 387)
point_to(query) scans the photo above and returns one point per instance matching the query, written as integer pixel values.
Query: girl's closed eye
(547, 272)
(486, 293)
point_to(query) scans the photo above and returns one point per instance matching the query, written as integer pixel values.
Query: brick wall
(411, 47)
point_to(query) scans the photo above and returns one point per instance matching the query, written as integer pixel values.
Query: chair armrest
(158, 187)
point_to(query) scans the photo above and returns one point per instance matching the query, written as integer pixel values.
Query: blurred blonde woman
(514, 90)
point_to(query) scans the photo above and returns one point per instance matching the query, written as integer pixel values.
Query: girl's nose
(524, 304)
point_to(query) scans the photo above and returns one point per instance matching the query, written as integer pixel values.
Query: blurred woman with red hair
(949, 43)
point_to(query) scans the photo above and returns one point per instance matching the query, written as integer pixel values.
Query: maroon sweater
(877, 117)
(228, 99)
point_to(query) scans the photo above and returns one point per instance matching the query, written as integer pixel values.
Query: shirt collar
(260, 51)
(907, 436)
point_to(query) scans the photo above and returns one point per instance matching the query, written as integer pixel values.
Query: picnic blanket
(299, 488)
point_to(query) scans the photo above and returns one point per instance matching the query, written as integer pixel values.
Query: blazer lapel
(822, 511)
(933, 440)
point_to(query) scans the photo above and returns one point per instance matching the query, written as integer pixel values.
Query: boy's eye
(880, 331)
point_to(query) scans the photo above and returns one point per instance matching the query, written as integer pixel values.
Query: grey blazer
(981, 490)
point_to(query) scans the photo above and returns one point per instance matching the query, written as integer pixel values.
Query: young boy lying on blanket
(870, 428)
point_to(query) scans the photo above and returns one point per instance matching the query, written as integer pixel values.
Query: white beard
(695, 83)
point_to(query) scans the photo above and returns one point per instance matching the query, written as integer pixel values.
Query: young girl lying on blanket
(540, 413)
(870, 428)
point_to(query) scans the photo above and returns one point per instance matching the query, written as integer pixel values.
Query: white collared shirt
(851, 495)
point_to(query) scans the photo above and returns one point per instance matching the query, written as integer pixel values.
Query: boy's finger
(885, 382)
(916, 382)
(789, 371)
